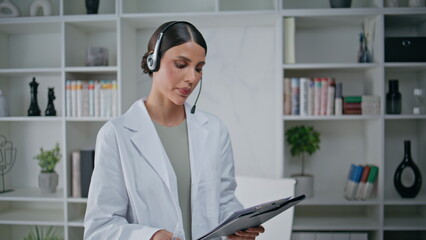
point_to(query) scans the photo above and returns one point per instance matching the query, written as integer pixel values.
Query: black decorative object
(407, 173)
(92, 6)
(393, 98)
(363, 54)
(50, 110)
(34, 110)
(340, 3)
(7, 159)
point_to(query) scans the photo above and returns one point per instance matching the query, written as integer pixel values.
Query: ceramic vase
(48, 182)
(304, 185)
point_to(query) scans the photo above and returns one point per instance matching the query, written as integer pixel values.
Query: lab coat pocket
(208, 197)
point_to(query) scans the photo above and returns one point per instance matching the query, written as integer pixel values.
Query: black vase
(92, 6)
(407, 171)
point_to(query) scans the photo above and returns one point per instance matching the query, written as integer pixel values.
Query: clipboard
(252, 217)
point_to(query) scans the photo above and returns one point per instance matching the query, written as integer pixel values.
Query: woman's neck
(165, 112)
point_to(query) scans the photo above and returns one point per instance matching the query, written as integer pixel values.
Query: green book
(352, 99)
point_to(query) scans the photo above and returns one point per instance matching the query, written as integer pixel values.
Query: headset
(153, 60)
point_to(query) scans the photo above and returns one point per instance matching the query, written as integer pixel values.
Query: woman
(161, 171)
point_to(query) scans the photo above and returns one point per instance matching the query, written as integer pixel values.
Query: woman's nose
(191, 76)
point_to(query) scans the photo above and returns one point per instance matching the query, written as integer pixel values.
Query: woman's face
(180, 71)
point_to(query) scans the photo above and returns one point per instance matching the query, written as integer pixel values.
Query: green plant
(38, 234)
(303, 140)
(47, 160)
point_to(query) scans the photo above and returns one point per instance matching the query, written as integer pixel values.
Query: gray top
(175, 143)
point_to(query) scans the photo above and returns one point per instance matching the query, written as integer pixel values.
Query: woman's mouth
(184, 91)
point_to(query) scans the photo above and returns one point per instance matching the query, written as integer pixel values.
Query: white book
(97, 96)
(91, 87)
(317, 96)
(114, 98)
(103, 94)
(304, 96)
(68, 101)
(324, 96)
(311, 97)
(79, 95)
(295, 96)
(289, 39)
(330, 97)
(74, 98)
(85, 99)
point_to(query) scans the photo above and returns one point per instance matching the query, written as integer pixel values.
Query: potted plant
(38, 234)
(47, 160)
(303, 140)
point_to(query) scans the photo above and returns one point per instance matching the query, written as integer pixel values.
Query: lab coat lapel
(197, 137)
(146, 140)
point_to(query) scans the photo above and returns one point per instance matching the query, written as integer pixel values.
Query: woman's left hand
(247, 234)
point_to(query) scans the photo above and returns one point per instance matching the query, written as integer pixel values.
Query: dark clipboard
(252, 217)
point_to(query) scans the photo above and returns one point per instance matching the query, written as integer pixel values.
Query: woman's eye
(180, 65)
(199, 69)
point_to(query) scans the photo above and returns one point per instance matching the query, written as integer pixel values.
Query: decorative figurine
(50, 110)
(92, 6)
(8, 9)
(43, 5)
(7, 159)
(34, 110)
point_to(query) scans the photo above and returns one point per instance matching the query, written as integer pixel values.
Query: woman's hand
(248, 234)
(163, 235)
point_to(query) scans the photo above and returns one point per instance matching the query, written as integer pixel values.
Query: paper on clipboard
(252, 217)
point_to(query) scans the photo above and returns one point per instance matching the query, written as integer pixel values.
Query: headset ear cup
(150, 61)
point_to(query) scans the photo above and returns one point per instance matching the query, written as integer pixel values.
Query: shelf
(336, 200)
(405, 117)
(398, 201)
(28, 216)
(322, 223)
(330, 66)
(411, 66)
(88, 119)
(32, 194)
(76, 200)
(417, 223)
(76, 222)
(110, 69)
(30, 71)
(30, 119)
(343, 117)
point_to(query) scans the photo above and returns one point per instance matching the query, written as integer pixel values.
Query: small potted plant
(47, 160)
(38, 234)
(303, 140)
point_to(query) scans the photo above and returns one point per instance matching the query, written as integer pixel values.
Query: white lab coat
(133, 192)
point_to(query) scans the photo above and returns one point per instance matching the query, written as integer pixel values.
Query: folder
(252, 217)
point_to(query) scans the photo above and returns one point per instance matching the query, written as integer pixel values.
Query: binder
(252, 217)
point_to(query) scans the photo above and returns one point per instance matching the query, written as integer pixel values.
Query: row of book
(323, 97)
(329, 236)
(361, 181)
(91, 98)
(311, 96)
(82, 165)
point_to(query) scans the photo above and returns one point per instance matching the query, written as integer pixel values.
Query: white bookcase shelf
(52, 49)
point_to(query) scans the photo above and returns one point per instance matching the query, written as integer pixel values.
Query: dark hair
(177, 34)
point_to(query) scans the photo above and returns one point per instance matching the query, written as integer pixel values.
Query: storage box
(405, 49)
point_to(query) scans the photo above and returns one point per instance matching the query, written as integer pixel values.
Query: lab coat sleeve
(108, 201)
(228, 201)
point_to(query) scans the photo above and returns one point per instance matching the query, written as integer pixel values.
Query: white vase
(8, 9)
(44, 5)
(48, 182)
(416, 3)
(304, 185)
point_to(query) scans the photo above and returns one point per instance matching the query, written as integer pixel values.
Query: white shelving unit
(52, 50)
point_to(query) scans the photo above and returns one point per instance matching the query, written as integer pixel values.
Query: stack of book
(91, 98)
(361, 181)
(370, 105)
(352, 105)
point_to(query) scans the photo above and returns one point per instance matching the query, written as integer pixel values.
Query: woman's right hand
(163, 235)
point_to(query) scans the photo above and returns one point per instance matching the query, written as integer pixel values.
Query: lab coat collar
(146, 139)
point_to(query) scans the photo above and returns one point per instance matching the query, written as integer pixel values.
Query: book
(87, 164)
(331, 97)
(311, 97)
(352, 99)
(369, 185)
(362, 183)
(317, 96)
(353, 181)
(295, 96)
(304, 97)
(287, 96)
(75, 174)
(324, 95)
